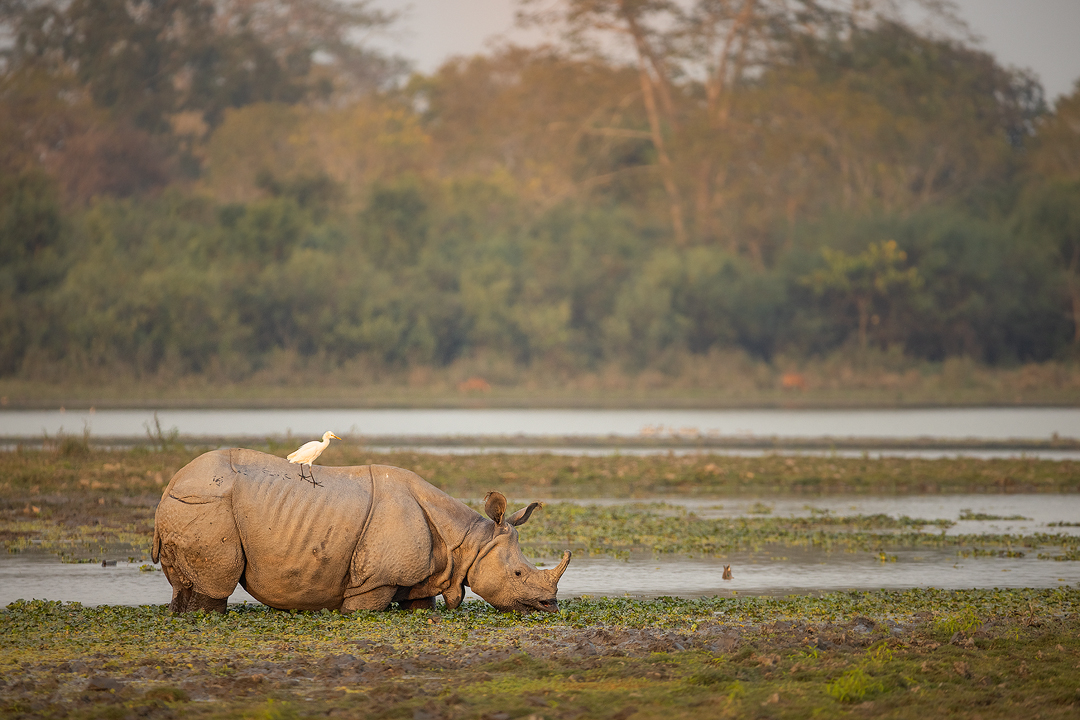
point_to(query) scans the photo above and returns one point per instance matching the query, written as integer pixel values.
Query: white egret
(308, 452)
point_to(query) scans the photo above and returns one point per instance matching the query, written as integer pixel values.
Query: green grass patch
(880, 653)
(86, 506)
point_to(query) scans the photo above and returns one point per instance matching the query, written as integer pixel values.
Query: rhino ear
(495, 506)
(523, 514)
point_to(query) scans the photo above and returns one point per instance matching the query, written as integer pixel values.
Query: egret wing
(304, 452)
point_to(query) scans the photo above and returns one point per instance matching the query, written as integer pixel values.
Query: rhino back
(298, 539)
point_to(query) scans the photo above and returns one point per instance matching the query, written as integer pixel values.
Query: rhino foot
(417, 604)
(190, 600)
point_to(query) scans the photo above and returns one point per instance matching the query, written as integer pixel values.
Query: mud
(392, 673)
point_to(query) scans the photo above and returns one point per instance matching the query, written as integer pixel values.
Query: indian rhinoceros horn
(556, 572)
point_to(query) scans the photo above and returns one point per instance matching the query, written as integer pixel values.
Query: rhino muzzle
(551, 605)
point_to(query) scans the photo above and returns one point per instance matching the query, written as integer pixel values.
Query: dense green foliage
(207, 200)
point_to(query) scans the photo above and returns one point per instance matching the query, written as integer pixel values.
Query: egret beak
(334, 436)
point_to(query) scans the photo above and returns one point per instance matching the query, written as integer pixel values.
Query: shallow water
(780, 572)
(601, 451)
(797, 571)
(1037, 511)
(771, 571)
(997, 424)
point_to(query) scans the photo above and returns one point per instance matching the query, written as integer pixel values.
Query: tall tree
(149, 59)
(1049, 213)
(638, 26)
(873, 276)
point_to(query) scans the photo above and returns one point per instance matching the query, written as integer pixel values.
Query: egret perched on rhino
(369, 536)
(307, 453)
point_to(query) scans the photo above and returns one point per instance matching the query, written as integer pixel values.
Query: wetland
(646, 629)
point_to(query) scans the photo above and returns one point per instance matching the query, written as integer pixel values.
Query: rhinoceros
(365, 537)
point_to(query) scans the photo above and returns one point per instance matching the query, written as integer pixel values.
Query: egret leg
(311, 476)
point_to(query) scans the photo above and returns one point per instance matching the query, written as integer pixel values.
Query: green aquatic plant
(659, 528)
(880, 654)
(967, 514)
(948, 624)
(854, 686)
(594, 658)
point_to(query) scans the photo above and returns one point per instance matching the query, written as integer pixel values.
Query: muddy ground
(605, 659)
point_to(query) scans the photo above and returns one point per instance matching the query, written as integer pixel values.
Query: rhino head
(502, 575)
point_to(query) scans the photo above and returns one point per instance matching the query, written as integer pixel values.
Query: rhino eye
(518, 573)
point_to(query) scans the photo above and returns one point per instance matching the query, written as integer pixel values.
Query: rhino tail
(155, 549)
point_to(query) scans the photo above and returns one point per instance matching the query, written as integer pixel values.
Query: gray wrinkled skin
(365, 537)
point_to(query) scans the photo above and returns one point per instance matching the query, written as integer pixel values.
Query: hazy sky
(1042, 35)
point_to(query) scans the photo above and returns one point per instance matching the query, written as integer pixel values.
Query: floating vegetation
(660, 528)
(141, 473)
(75, 543)
(910, 653)
(967, 514)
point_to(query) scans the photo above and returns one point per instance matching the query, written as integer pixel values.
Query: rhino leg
(199, 547)
(376, 599)
(186, 598)
(417, 604)
(189, 599)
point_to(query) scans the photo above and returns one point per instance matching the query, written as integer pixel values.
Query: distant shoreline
(299, 400)
(612, 443)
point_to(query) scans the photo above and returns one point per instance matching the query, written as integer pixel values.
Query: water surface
(1020, 514)
(781, 571)
(989, 424)
(769, 571)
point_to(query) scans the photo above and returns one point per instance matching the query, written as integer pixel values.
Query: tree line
(197, 187)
